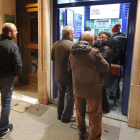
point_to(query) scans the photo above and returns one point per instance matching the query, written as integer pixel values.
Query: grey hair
(67, 30)
(87, 35)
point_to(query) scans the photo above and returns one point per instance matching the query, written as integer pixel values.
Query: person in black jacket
(10, 66)
(107, 50)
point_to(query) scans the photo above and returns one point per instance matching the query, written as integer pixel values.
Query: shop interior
(80, 17)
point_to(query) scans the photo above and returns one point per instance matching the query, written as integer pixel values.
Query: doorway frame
(130, 38)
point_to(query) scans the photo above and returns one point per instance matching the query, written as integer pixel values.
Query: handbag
(116, 69)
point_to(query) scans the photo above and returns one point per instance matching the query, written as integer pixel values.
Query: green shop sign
(10, 18)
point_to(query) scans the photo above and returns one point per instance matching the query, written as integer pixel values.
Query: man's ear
(9, 34)
(69, 35)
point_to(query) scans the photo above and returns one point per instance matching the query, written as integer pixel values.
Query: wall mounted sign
(10, 18)
(109, 11)
(102, 24)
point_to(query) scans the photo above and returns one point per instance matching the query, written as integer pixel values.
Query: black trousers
(105, 103)
(65, 103)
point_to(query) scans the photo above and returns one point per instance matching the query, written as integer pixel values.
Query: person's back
(85, 63)
(9, 55)
(122, 37)
(86, 83)
(60, 53)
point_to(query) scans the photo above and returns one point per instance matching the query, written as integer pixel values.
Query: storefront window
(70, 1)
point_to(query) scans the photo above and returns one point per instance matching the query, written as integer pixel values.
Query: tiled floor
(28, 126)
(46, 127)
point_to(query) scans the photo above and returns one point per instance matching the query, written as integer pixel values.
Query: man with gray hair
(85, 63)
(60, 54)
(10, 66)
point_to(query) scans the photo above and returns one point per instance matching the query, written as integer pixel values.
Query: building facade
(46, 37)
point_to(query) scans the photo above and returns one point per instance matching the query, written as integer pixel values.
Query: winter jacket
(10, 59)
(85, 63)
(121, 44)
(60, 54)
(107, 50)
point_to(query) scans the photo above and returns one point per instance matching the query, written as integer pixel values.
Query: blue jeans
(6, 89)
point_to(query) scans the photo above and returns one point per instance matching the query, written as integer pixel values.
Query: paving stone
(127, 133)
(14, 102)
(21, 106)
(61, 131)
(38, 109)
(33, 127)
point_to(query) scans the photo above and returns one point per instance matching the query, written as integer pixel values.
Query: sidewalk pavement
(30, 125)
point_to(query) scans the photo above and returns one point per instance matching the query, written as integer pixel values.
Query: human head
(87, 28)
(68, 31)
(104, 36)
(10, 30)
(116, 28)
(88, 36)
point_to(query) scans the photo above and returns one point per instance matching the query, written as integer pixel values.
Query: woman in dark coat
(107, 50)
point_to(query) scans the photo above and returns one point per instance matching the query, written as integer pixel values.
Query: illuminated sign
(110, 11)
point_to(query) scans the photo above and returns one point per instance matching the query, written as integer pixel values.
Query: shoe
(6, 132)
(73, 119)
(83, 137)
(59, 117)
(65, 121)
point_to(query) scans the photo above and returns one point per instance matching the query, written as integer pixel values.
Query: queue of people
(89, 65)
(82, 72)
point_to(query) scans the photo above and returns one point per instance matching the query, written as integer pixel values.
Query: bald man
(85, 63)
(10, 66)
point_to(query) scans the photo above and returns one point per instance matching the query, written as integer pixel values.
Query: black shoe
(59, 117)
(65, 121)
(73, 119)
(83, 137)
(6, 132)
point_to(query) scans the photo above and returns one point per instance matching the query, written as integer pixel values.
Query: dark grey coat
(60, 54)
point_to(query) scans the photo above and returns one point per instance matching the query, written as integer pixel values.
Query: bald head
(88, 36)
(10, 30)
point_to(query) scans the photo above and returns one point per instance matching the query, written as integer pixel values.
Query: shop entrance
(27, 25)
(79, 17)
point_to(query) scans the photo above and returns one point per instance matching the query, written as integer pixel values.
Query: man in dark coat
(121, 43)
(10, 66)
(60, 54)
(119, 39)
(85, 63)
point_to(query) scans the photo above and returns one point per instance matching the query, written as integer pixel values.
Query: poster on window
(69, 17)
(77, 25)
(102, 24)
